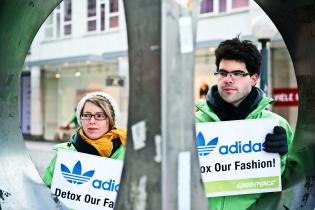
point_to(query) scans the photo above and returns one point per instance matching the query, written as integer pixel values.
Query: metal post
(181, 179)
(264, 65)
(140, 182)
(18, 182)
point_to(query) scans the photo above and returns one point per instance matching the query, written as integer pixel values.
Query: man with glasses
(235, 97)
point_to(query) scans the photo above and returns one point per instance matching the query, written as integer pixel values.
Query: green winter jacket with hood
(69, 146)
(206, 114)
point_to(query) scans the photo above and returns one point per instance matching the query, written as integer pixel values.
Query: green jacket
(68, 146)
(239, 202)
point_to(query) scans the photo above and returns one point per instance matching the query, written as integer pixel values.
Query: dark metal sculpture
(295, 21)
(141, 177)
(153, 176)
(20, 186)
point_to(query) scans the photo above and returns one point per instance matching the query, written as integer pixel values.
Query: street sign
(285, 97)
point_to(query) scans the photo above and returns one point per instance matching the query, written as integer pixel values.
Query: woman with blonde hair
(98, 115)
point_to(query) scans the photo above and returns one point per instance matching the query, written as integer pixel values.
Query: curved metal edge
(295, 21)
(20, 185)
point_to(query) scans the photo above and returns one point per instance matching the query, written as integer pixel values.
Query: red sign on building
(285, 96)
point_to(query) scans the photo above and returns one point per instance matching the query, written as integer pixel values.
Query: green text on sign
(242, 184)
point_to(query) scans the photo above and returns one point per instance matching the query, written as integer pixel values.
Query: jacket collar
(208, 111)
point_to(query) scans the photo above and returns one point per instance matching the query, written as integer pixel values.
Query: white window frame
(229, 9)
(108, 15)
(59, 10)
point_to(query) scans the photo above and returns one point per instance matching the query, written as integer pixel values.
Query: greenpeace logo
(256, 185)
(203, 148)
(75, 176)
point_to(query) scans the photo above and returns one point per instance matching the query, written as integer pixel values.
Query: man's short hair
(244, 51)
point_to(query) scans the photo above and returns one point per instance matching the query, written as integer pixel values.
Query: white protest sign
(83, 181)
(232, 160)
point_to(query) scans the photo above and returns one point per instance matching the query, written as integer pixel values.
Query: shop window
(239, 4)
(206, 6)
(67, 17)
(49, 27)
(59, 23)
(217, 7)
(102, 15)
(222, 6)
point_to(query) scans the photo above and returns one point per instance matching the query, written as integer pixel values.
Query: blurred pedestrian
(73, 122)
(203, 90)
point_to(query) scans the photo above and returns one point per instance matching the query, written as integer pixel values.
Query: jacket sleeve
(289, 132)
(49, 173)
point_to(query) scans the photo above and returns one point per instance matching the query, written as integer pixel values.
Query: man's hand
(277, 142)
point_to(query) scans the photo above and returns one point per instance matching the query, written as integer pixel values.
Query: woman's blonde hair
(104, 104)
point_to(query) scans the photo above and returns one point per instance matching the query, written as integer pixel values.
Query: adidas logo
(4, 195)
(76, 176)
(204, 149)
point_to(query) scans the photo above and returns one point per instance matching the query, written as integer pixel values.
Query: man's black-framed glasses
(234, 74)
(97, 116)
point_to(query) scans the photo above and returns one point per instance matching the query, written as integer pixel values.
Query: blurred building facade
(82, 47)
